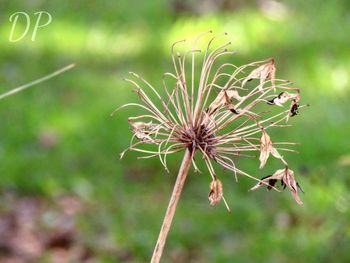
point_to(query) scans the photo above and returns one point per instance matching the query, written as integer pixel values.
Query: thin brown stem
(174, 199)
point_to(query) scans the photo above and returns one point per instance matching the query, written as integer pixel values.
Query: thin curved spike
(127, 105)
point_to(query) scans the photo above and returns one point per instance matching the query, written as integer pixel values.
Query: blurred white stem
(20, 88)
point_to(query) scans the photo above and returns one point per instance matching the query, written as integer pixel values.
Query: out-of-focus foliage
(57, 138)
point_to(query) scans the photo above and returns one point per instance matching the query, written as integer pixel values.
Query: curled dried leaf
(286, 176)
(264, 72)
(216, 192)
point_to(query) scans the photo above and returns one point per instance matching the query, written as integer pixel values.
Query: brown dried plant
(216, 112)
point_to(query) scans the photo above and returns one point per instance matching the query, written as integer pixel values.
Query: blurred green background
(58, 142)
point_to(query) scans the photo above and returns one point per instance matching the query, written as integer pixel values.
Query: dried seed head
(220, 117)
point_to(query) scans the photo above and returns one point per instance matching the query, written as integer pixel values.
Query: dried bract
(224, 98)
(216, 192)
(266, 148)
(141, 130)
(286, 176)
(264, 72)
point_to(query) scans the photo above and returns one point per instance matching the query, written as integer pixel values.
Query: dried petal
(228, 103)
(266, 148)
(216, 192)
(265, 143)
(283, 97)
(290, 182)
(287, 180)
(278, 175)
(275, 153)
(224, 98)
(217, 103)
(233, 94)
(264, 72)
(142, 130)
(280, 99)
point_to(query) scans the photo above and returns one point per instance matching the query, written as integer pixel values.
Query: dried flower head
(217, 110)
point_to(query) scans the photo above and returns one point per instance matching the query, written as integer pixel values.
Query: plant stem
(174, 199)
(25, 86)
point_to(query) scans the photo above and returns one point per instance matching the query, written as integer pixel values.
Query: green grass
(127, 198)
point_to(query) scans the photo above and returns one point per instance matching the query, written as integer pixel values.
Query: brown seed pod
(216, 192)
